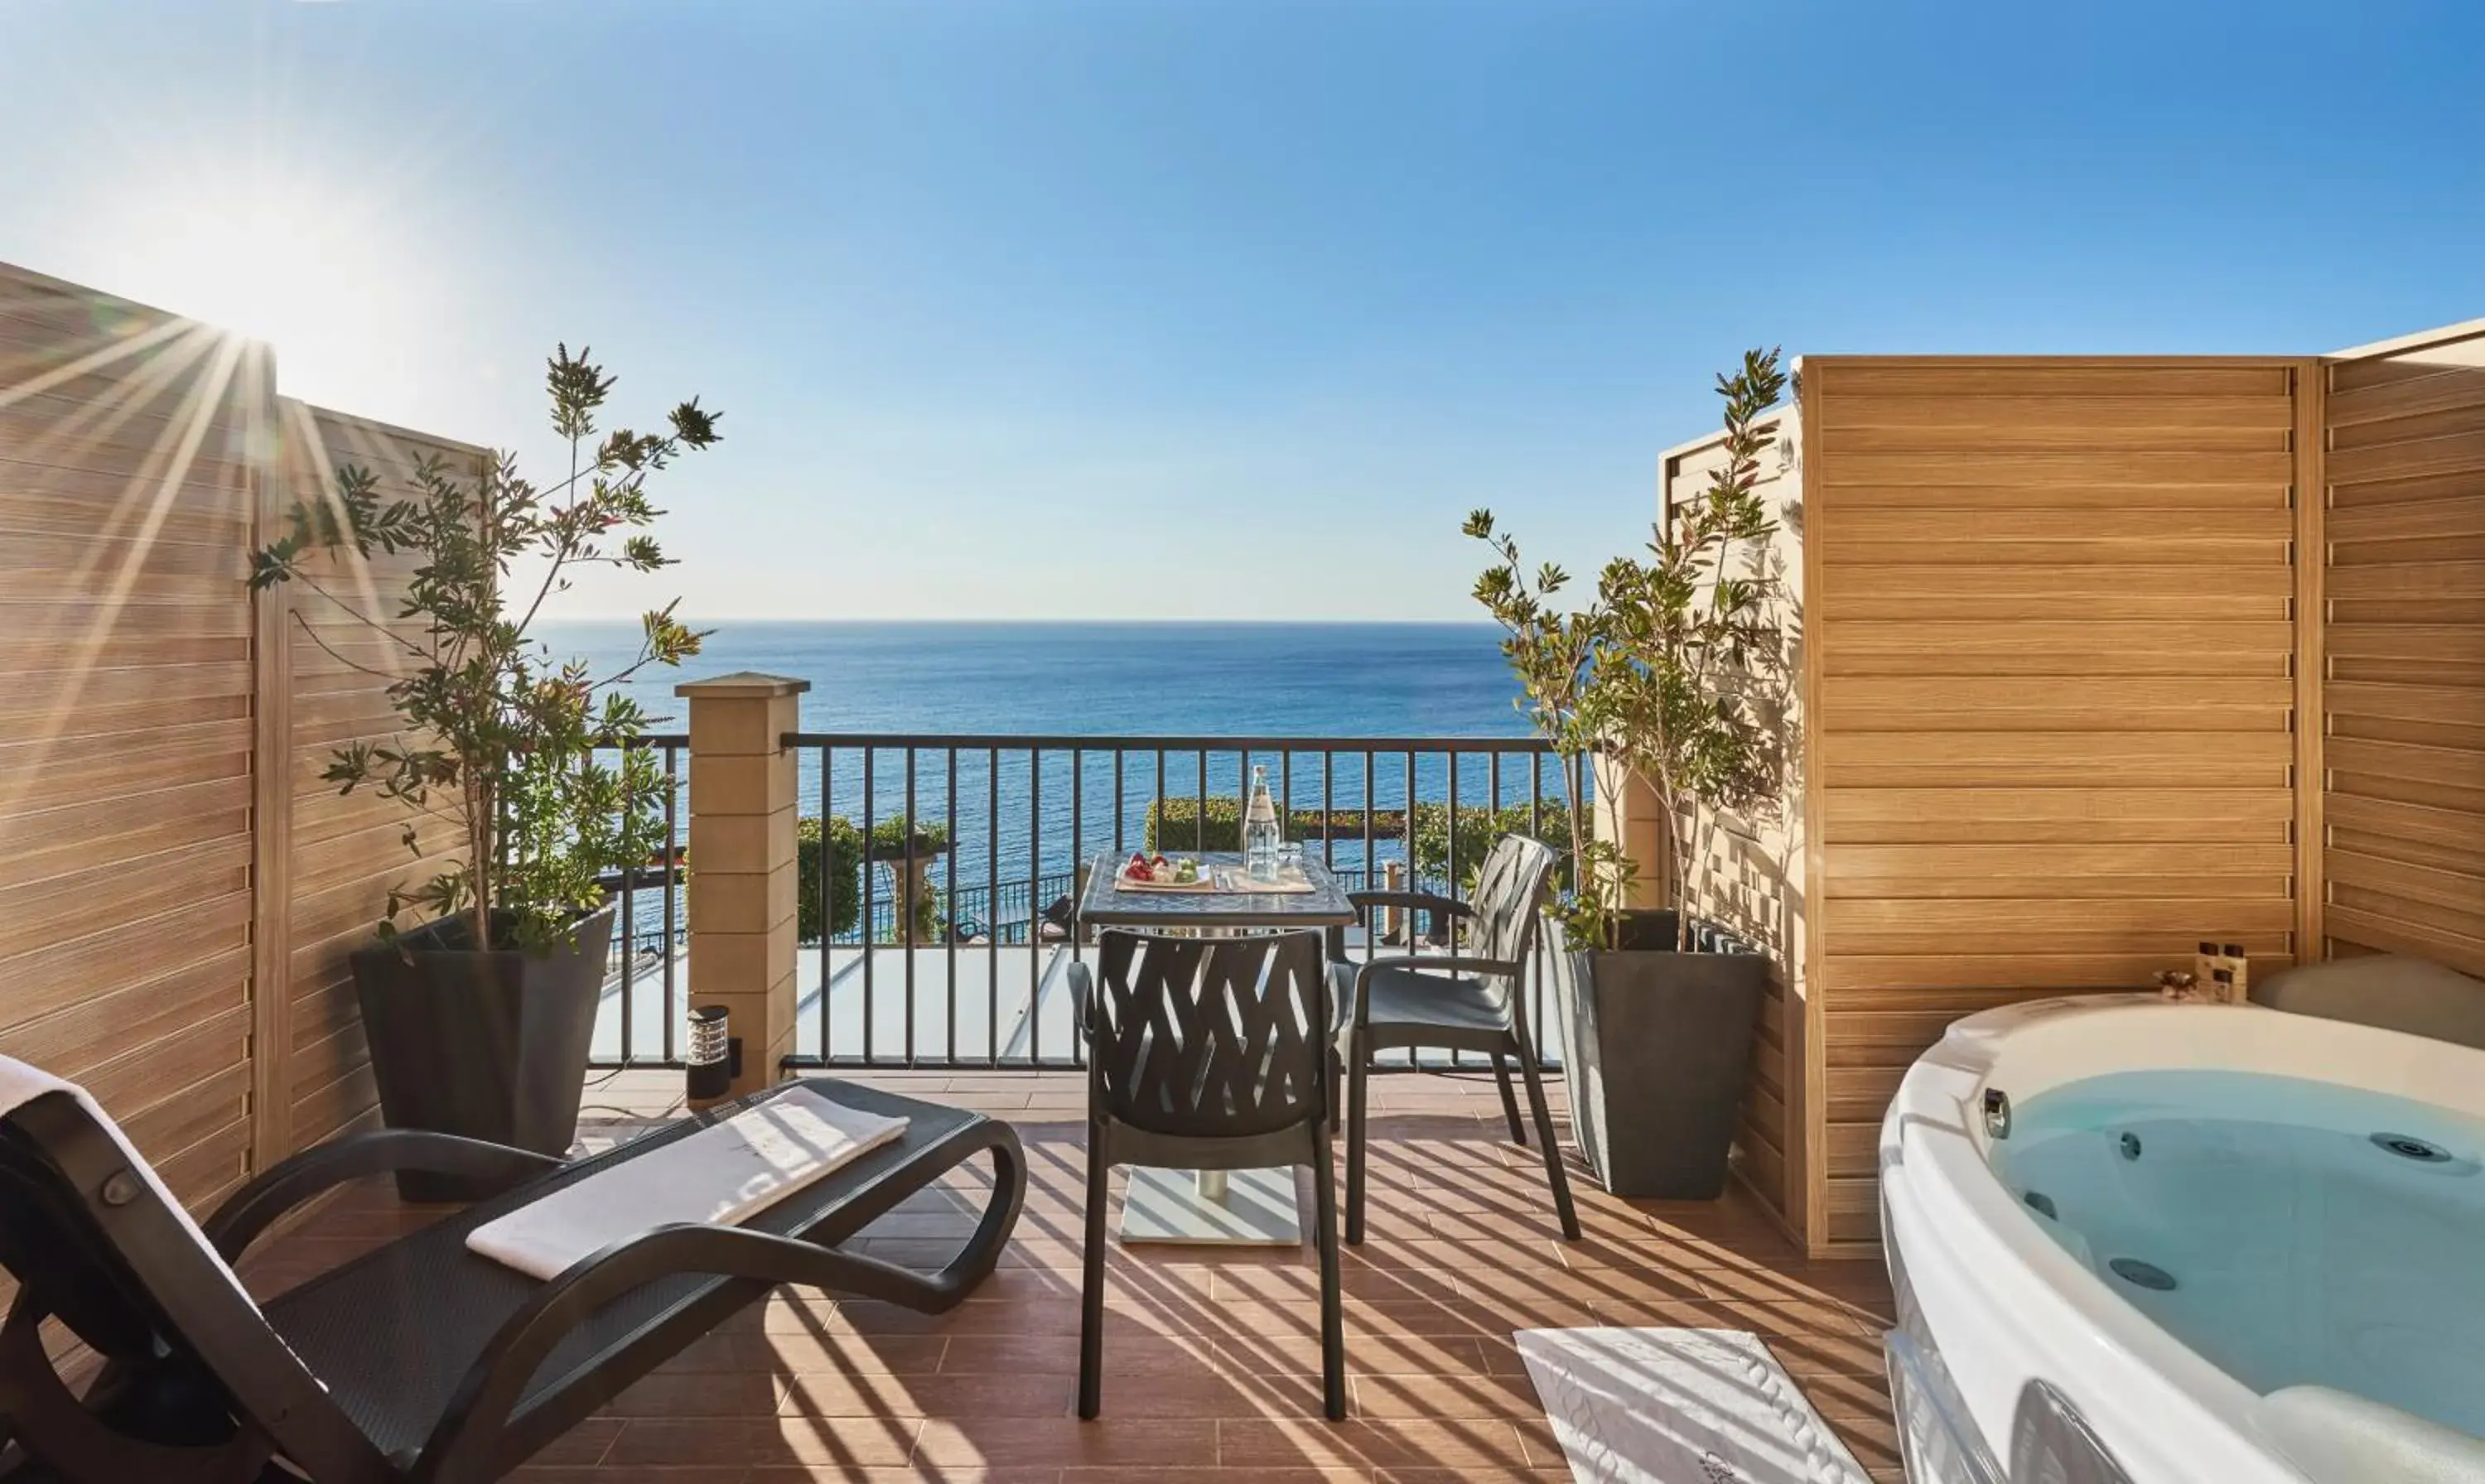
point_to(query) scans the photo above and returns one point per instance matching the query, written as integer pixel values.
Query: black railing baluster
(907, 888)
(870, 1041)
(673, 1009)
(1077, 836)
(1199, 820)
(1371, 882)
(1117, 803)
(1034, 890)
(992, 905)
(828, 896)
(949, 907)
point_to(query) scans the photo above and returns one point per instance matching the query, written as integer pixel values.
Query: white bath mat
(1680, 1407)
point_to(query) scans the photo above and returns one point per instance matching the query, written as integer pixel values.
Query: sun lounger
(422, 1361)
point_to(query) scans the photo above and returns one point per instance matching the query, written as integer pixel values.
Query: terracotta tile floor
(1212, 1358)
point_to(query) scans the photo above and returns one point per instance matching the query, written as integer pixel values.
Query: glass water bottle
(1260, 832)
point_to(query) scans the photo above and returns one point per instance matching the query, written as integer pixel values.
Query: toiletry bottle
(2221, 987)
(2204, 964)
(2237, 967)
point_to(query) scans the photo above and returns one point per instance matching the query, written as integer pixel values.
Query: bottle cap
(2234, 950)
(2208, 950)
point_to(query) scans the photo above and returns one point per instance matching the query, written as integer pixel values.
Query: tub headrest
(2340, 1439)
(2393, 991)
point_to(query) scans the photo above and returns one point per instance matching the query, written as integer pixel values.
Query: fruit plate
(1123, 882)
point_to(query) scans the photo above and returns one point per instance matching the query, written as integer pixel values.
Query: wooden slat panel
(2404, 755)
(2055, 720)
(346, 850)
(124, 747)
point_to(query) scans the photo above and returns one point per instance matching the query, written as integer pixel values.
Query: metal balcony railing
(940, 870)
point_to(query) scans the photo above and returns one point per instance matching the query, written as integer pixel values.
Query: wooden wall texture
(2052, 644)
(2403, 750)
(346, 850)
(126, 504)
(1751, 873)
(175, 888)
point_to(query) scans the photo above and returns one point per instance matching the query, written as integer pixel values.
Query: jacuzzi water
(2291, 1232)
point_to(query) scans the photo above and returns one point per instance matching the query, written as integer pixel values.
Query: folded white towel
(722, 1176)
(21, 1084)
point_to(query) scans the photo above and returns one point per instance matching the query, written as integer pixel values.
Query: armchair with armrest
(1468, 1000)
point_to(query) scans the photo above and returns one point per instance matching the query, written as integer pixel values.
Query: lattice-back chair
(1208, 1054)
(1471, 998)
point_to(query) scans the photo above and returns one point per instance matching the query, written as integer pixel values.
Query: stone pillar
(742, 862)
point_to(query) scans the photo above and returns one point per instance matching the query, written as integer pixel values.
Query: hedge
(1174, 824)
(888, 841)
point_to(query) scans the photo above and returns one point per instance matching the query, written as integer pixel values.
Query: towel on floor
(722, 1175)
(21, 1084)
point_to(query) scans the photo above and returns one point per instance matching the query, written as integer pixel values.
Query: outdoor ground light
(715, 1055)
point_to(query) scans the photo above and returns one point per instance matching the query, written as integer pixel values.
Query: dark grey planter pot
(488, 1044)
(1656, 1050)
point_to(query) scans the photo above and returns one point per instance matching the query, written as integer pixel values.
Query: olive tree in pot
(1662, 676)
(480, 1013)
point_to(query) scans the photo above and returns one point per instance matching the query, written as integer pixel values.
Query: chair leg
(1509, 1102)
(1091, 1292)
(1554, 1174)
(1356, 1075)
(1332, 1299)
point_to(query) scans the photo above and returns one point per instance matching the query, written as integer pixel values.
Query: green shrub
(1479, 828)
(845, 857)
(1173, 824)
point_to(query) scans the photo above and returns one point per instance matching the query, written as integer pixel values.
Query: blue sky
(1213, 309)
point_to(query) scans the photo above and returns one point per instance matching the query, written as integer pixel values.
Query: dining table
(1214, 1208)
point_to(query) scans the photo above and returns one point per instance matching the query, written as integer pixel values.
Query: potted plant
(479, 1016)
(1664, 676)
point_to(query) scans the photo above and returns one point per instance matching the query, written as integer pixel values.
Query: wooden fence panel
(178, 889)
(127, 503)
(2054, 702)
(346, 850)
(2403, 743)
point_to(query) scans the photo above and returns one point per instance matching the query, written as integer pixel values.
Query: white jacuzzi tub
(2215, 1244)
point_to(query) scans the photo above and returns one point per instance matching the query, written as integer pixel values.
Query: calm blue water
(2302, 1252)
(1358, 680)
(1016, 830)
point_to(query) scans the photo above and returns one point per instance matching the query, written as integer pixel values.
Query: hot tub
(2145, 1242)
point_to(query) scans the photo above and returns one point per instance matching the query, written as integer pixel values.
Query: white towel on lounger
(722, 1175)
(21, 1084)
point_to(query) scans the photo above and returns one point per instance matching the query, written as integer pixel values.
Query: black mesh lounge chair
(419, 1362)
(1461, 1001)
(1207, 1054)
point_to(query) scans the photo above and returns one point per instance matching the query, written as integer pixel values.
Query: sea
(1020, 820)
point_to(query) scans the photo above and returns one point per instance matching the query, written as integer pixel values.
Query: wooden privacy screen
(126, 745)
(2404, 747)
(160, 818)
(2050, 654)
(345, 850)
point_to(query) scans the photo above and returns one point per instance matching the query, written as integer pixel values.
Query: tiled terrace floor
(1213, 1359)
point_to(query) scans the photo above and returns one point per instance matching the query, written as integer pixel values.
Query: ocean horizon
(1098, 677)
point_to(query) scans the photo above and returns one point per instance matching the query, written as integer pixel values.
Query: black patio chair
(1470, 999)
(1207, 1054)
(419, 1361)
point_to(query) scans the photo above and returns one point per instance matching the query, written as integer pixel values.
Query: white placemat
(722, 1175)
(1680, 1407)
